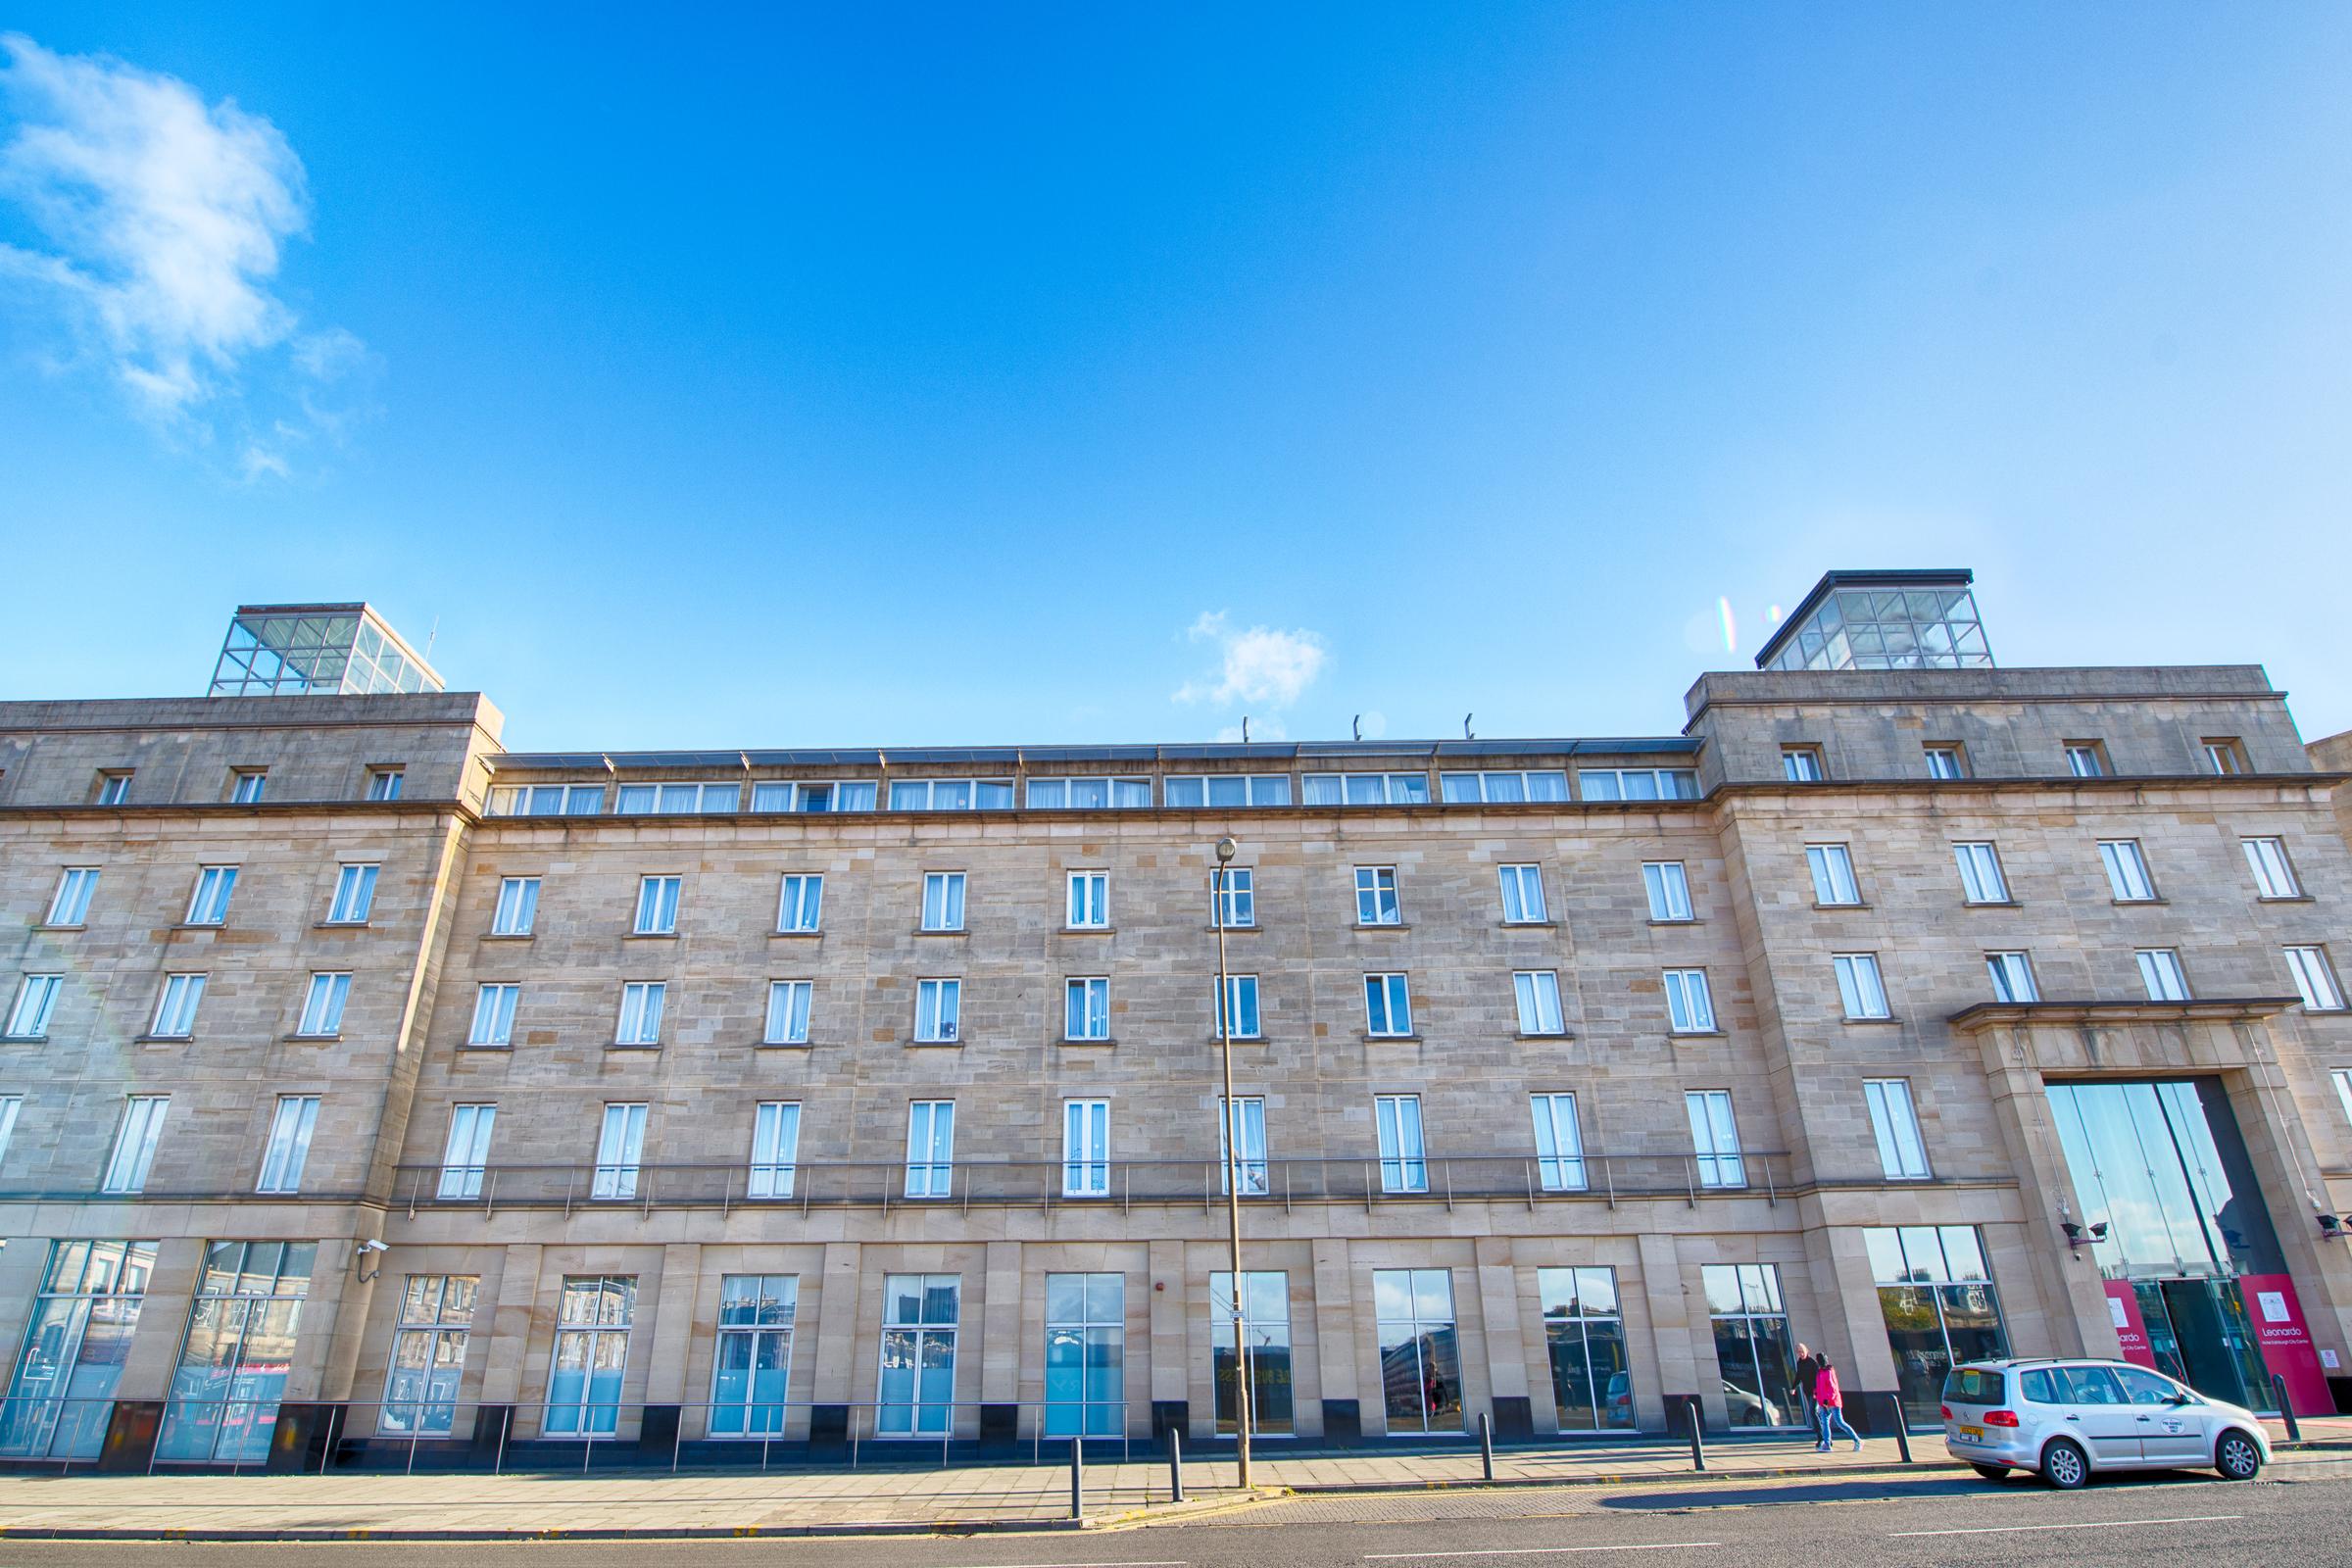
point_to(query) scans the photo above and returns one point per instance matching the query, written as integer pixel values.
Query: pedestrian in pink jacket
(1829, 1405)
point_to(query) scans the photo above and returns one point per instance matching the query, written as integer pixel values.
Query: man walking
(1808, 1371)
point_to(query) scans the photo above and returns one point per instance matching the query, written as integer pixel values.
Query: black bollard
(2287, 1410)
(1698, 1443)
(1486, 1444)
(1175, 1465)
(1902, 1427)
(1077, 1478)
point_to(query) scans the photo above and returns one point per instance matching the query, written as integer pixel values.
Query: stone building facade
(1544, 1176)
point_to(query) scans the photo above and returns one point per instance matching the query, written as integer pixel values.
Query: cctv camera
(371, 1245)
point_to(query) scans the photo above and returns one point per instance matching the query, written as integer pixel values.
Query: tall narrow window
(938, 1010)
(1715, 1137)
(428, 1355)
(1375, 896)
(1538, 996)
(802, 905)
(2273, 877)
(1089, 900)
(1087, 1016)
(593, 1317)
(1690, 1008)
(775, 1147)
(1946, 761)
(1265, 1303)
(657, 906)
(1240, 898)
(2126, 871)
(1420, 1349)
(1403, 1167)
(943, 901)
(494, 1015)
(1859, 987)
(355, 895)
(1980, 879)
(753, 1368)
(619, 1151)
(641, 1004)
(788, 1003)
(2160, 971)
(209, 903)
(1084, 1148)
(1833, 869)
(1559, 1146)
(517, 907)
(2343, 1090)
(1523, 894)
(1387, 1006)
(1801, 764)
(2087, 758)
(134, 1144)
(289, 1144)
(10, 1105)
(322, 1006)
(1584, 1338)
(466, 1152)
(931, 1149)
(36, 999)
(384, 783)
(1240, 1004)
(2315, 979)
(1086, 1353)
(81, 1325)
(70, 903)
(1902, 1157)
(1243, 1150)
(915, 1395)
(247, 785)
(234, 1362)
(1752, 1348)
(1669, 888)
(175, 1010)
(2012, 977)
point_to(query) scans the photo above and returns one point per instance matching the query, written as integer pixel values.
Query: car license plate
(1972, 1433)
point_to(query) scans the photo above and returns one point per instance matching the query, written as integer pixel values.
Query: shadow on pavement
(1870, 1490)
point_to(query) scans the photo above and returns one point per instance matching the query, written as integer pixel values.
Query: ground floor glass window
(1086, 1354)
(592, 1351)
(917, 1392)
(240, 1345)
(63, 1393)
(428, 1355)
(754, 1363)
(1420, 1357)
(1584, 1337)
(1266, 1325)
(1936, 1297)
(1752, 1347)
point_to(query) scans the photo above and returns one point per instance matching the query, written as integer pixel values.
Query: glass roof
(290, 649)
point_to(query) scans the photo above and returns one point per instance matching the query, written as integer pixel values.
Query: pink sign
(2285, 1341)
(2130, 1329)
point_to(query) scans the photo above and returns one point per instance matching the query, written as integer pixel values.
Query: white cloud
(161, 222)
(1259, 665)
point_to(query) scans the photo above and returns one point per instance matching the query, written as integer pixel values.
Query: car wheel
(2236, 1458)
(1991, 1472)
(2063, 1466)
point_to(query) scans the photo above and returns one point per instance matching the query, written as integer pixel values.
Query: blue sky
(993, 373)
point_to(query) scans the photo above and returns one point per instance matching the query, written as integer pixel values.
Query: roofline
(1830, 582)
(1145, 757)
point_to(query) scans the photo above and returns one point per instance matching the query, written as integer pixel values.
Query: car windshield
(1972, 1385)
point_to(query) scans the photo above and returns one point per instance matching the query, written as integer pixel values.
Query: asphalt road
(1719, 1525)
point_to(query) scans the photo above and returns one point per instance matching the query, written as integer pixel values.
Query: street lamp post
(1231, 1139)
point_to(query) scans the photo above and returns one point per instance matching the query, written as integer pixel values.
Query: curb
(1639, 1479)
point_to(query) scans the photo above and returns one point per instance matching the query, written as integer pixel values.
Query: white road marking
(1141, 1564)
(1536, 1552)
(2094, 1524)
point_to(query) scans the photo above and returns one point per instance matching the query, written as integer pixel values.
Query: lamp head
(1226, 849)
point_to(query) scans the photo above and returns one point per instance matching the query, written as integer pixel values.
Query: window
(1084, 1148)
(1538, 996)
(517, 907)
(938, 1009)
(1801, 764)
(70, 903)
(1833, 869)
(384, 783)
(322, 1008)
(1559, 1146)
(1946, 761)
(1086, 1353)
(36, 999)
(134, 1144)
(592, 1353)
(1502, 787)
(428, 1355)
(1403, 1167)
(1980, 880)
(114, 788)
(2127, 871)
(355, 895)
(2343, 1090)
(84, 1320)
(1716, 1138)
(752, 1370)
(1088, 794)
(245, 786)
(209, 903)
(1938, 1301)
(1375, 896)
(619, 1151)
(1689, 1010)
(1584, 1338)
(1240, 898)
(1229, 789)
(1089, 901)
(788, 1003)
(1365, 789)
(175, 1010)
(2087, 758)
(2160, 971)
(775, 1147)
(2315, 979)
(10, 1105)
(641, 1002)
(547, 800)
(1522, 894)
(930, 1149)
(644, 799)
(1266, 1303)
(801, 906)
(1669, 890)
(2012, 977)
(1388, 1007)
(1859, 987)
(494, 1015)
(2273, 878)
(951, 795)
(1088, 1013)
(2223, 755)
(1242, 1007)
(1420, 1357)
(657, 906)
(289, 1144)
(915, 1397)
(1752, 1347)
(1638, 783)
(1244, 1152)
(1894, 1123)
(794, 796)
(943, 901)
(242, 1329)
(466, 1152)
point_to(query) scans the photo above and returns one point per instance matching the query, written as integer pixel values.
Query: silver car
(2064, 1419)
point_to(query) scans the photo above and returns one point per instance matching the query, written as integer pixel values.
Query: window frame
(620, 1151)
(322, 1005)
(1086, 1001)
(1483, 782)
(143, 1118)
(287, 1149)
(1559, 1170)
(1394, 989)
(445, 1339)
(184, 986)
(1664, 783)
(1086, 1148)
(1395, 788)
(353, 901)
(525, 904)
(248, 786)
(1368, 894)
(1982, 879)
(659, 896)
(2163, 963)
(571, 799)
(799, 1000)
(1940, 753)
(2004, 975)
(1517, 877)
(799, 794)
(1663, 891)
(2275, 881)
(2115, 865)
(1231, 896)
(1686, 983)
(643, 1001)
(778, 1136)
(385, 784)
(801, 904)
(80, 883)
(1854, 997)
(1114, 785)
(28, 1018)
(1241, 986)
(1803, 764)
(924, 1118)
(1086, 900)
(2087, 758)
(628, 799)
(1715, 1144)
(1403, 1159)
(1893, 1119)
(2315, 980)
(495, 1002)
(1527, 988)
(974, 788)
(113, 786)
(1825, 859)
(1247, 1114)
(954, 889)
(209, 900)
(943, 996)
(1275, 784)
(467, 1135)
(2225, 755)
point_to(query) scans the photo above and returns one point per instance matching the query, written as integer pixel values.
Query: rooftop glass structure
(1882, 620)
(284, 650)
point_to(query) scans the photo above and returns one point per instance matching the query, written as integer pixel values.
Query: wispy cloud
(162, 219)
(1261, 664)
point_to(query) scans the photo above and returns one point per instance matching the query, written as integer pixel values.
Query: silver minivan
(2064, 1419)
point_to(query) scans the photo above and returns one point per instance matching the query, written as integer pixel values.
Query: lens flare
(1731, 626)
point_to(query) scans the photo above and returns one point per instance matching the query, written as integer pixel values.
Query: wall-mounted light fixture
(2332, 1229)
(2077, 1236)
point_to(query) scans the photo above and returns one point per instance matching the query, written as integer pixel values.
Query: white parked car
(2064, 1419)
